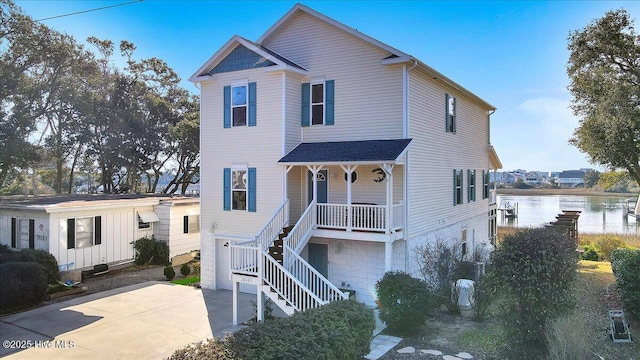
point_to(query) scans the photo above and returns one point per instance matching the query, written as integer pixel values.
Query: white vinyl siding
(432, 156)
(257, 147)
(332, 54)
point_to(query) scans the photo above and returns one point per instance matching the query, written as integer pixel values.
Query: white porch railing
(358, 217)
(244, 257)
(245, 254)
(273, 227)
(301, 232)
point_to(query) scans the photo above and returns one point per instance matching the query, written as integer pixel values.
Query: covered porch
(355, 188)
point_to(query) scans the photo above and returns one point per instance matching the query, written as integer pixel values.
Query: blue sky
(513, 54)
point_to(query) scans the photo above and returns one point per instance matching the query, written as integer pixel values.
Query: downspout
(405, 134)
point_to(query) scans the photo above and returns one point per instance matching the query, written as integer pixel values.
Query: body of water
(600, 214)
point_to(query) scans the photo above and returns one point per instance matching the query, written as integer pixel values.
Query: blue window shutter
(252, 104)
(252, 190)
(226, 194)
(447, 121)
(329, 102)
(455, 116)
(306, 104)
(227, 106)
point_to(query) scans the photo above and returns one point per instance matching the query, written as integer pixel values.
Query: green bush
(23, 284)
(151, 251)
(534, 271)
(185, 269)
(626, 269)
(605, 244)
(404, 302)
(589, 253)
(339, 330)
(47, 261)
(169, 273)
(4, 249)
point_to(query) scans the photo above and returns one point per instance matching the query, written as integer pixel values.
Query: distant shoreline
(543, 191)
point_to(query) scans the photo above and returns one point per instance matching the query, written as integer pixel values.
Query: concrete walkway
(144, 321)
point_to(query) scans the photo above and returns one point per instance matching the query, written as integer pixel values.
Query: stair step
(278, 242)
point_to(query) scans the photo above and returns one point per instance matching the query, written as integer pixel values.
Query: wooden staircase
(276, 250)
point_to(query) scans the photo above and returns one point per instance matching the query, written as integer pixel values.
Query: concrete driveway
(144, 321)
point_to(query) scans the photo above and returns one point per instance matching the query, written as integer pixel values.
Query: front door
(319, 258)
(322, 186)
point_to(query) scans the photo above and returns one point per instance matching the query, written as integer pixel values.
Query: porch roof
(347, 152)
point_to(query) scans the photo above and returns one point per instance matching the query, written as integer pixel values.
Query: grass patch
(594, 267)
(630, 240)
(489, 338)
(186, 281)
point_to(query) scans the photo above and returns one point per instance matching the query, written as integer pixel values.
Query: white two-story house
(327, 157)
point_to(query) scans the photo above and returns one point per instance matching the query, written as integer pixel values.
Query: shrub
(151, 251)
(605, 244)
(534, 270)
(196, 268)
(210, 349)
(589, 253)
(23, 284)
(4, 249)
(169, 273)
(185, 269)
(339, 330)
(404, 301)
(626, 269)
(47, 261)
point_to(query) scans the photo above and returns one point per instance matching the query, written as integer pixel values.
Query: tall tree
(185, 147)
(22, 49)
(604, 69)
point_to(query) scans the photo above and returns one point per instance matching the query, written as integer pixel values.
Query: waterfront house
(328, 157)
(82, 231)
(571, 178)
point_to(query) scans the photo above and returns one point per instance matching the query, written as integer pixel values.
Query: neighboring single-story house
(82, 231)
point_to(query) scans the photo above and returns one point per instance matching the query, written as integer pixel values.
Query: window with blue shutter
(450, 113)
(318, 103)
(226, 192)
(471, 185)
(252, 190)
(457, 187)
(485, 184)
(239, 106)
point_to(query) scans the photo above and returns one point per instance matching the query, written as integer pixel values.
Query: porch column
(388, 169)
(259, 305)
(388, 256)
(236, 289)
(349, 169)
(314, 172)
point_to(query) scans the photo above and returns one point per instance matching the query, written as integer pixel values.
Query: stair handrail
(298, 235)
(273, 226)
(328, 292)
(289, 288)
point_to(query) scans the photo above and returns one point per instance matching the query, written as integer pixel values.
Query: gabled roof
(396, 56)
(347, 152)
(277, 62)
(395, 53)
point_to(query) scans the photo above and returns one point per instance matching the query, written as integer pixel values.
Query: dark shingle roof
(347, 151)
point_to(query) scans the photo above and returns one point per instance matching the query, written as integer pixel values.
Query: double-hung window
(318, 103)
(450, 113)
(485, 184)
(83, 232)
(239, 189)
(240, 105)
(191, 224)
(471, 185)
(457, 187)
(22, 233)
